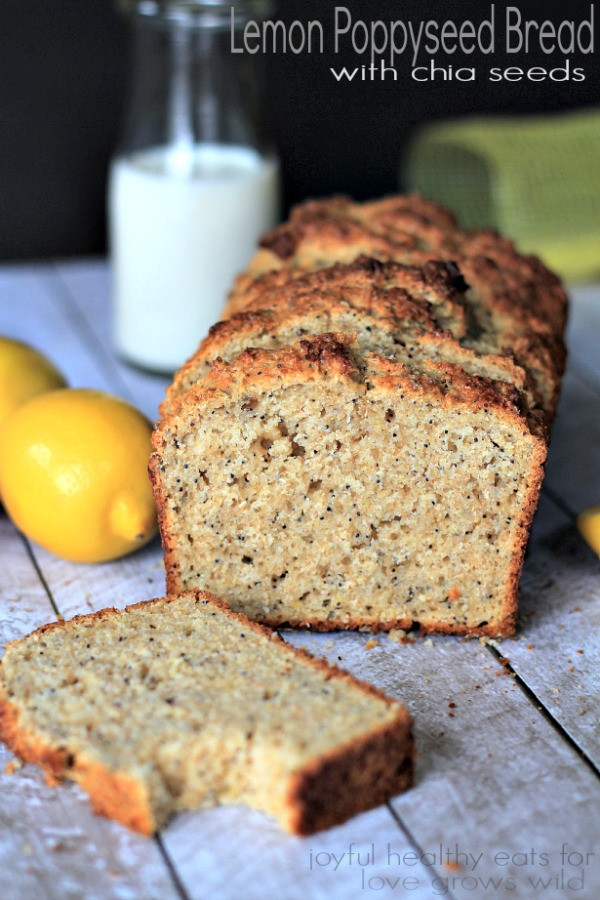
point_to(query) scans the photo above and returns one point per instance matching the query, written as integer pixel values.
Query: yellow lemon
(74, 474)
(24, 372)
(588, 523)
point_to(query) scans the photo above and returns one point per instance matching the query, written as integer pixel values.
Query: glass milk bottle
(192, 186)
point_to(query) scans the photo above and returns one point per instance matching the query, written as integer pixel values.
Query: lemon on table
(24, 372)
(74, 474)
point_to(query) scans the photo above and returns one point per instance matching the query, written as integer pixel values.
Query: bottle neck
(187, 88)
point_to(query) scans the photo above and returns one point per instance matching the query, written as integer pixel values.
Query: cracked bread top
(337, 356)
(518, 307)
(400, 276)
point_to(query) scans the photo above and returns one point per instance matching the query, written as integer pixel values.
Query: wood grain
(487, 758)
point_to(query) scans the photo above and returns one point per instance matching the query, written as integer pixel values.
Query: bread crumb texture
(360, 442)
(179, 703)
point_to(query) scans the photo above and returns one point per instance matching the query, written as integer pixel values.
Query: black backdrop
(63, 67)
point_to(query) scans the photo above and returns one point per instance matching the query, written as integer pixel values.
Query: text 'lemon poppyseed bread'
(179, 703)
(361, 441)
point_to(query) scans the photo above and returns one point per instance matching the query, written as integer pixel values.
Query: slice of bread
(321, 486)
(180, 703)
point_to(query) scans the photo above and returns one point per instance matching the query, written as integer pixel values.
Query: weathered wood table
(507, 796)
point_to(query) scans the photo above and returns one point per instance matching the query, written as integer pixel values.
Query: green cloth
(535, 179)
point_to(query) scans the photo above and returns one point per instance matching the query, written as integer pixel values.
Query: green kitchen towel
(535, 179)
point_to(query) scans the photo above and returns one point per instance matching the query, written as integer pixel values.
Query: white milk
(183, 223)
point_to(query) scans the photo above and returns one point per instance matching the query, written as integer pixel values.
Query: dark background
(63, 75)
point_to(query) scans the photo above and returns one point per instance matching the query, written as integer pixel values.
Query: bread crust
(112, 794)
(119, 796)
(520, 297)
(421, 305)
(321, 795)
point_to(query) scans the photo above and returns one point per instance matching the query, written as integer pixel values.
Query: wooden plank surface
(560, 590)
(243, 854)
(499, 772)
(486, 756)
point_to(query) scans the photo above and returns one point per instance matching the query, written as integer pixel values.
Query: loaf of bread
(179, 703)
(360, 443)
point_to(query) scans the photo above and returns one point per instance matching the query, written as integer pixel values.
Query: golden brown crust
(120, 796)
(401, 302)
(310, 359)
(325, 793)
(112, 794)
(388, 291)
(172, 578)
(332, 356)
(520, 304)
(115, 795)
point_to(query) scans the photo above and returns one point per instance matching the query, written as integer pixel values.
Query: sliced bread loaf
(179, 703)
(361, 441)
